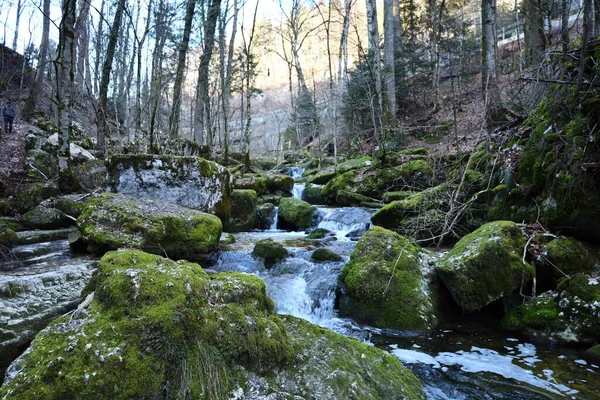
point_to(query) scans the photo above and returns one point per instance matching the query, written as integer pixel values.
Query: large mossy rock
(44, 218)
(312, 194)
(112, 221)
(31, 195)
(420, 216)
(295, 214)
(191, 182)
(243, 211)
(374, 182)
(158, 329)
(485, 265)
(568, 256)
(270, 251)
(331, 172)
(386, 283)
(8, 237)
(569, 314)
(91, 175)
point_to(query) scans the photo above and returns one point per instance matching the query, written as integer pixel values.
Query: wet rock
(270, 251)
(279, 183)
(243, 211)
(324, 255)
(223, 337)
(386, 283)
(312, 194)
(112, 221)
(266, 215)
(485, 265)
(191, 182)
(44, 218)
(295, 214)
(569, 314)
(39, 236)
(318, 233)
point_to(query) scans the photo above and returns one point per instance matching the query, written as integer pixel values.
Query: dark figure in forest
(8, 113)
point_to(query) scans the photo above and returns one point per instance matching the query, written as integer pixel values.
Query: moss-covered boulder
(386, 283)
(318, 233)
(388, 197)
(41, 164)
(570, 256)
(374, 182)
(243, 211)
(331, 172)
(31, 195)
(44, 218)
(156, 328)
(112, 221)
(71, 204)
(91, 175)
(295, 214)
(570, 314)
(312, 194)
(266, 215)
(191, 182)
(8, 237)
(270, 251)
(279, 183)
(485, 265)
(325, 255)
(252, 182)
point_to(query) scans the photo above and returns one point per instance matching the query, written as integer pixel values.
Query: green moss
(312, 194)
(269, 251)
(32, 195)
(419, 151)
(251, 182)
(113, 221)
(384, 283)
(8, 237)
(283, 183)
(295, 214)
(318, 233)
(570, 256)
(539, 314)
(243, 215)
(388, 197)
(325, 255)
(485, 265)
(44, 218)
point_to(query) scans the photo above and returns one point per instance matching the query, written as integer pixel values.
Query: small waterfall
(297, 190)
(295, 172)
(347, 220)
(273, 226)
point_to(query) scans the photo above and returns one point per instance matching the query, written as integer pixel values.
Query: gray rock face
(188, 181)
(43, 284)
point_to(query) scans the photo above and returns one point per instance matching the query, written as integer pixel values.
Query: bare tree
(105, 80)
(20, 4)
(202, 101)
(489, 77)
(535, 37)
(183, 49)
(34, 92)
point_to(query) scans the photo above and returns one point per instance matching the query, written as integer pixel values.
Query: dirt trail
(12, 152)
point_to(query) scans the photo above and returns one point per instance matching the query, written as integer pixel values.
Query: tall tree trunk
(588, 30)
(226, 71)
(32, 98)
(202, 87)
(489, 78)
(179, 75)
(99, 48)
(375, 65)
(17, 23)
(156, 81)
(535, 37)
(596, 18)
(103, 130)
(343, 51)
(389, 50)
(564, 24)
(65, 84)
(82, 31)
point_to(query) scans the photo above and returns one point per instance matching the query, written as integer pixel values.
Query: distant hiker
(8, 113)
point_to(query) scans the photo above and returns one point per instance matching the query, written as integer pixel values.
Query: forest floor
(12, 152)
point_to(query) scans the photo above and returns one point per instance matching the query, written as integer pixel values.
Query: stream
(468, 359)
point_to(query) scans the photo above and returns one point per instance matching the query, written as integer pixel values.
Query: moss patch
(485, 265)
(295, 214)
(269, 251)
(385, 284)
(325, 255)
(243, 211)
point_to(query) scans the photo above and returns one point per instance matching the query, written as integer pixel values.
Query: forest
(300, 199)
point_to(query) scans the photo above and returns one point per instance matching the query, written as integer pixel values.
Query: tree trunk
(375, 65)
(389, 50)
(103, 130)
(202, 87)
(179, 75)
(489, 78)
(226, 72)
(588, 30)
(535, 37)
(17, 23)
(82, 32)
(564, 24)
(32, 98)
(65, 84)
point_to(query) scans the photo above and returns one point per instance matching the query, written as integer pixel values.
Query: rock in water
(295, 214)
(386, 283)
(243, 211)
(112, 221)
(188, 181)
(485, 265)
(157, 328)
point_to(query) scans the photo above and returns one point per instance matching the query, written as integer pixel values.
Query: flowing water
(467, 359)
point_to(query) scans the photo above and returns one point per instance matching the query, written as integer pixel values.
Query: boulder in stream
(266, 215)
(325, 255)
(386, 283)
(157, 328)
(270, 251)
(191, 182)
(295, 214)
(486, 265)
(243, 211)
(112, 221)
(44, 218)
